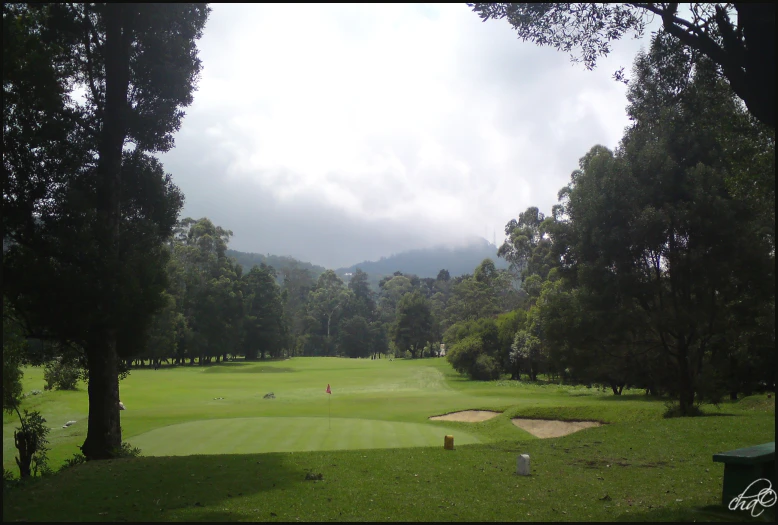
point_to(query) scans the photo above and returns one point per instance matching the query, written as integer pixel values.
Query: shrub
(673, 409)
(127, 451)
(485, 368)
(8, 477)
(77, 459)
(469, 357)
(30, 441)
(61, 375)
(463, 354)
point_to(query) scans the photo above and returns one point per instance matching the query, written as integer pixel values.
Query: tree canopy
(87, 208)
(662, 258)
(739, 38)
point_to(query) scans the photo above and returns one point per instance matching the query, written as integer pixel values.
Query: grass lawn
(215, 450)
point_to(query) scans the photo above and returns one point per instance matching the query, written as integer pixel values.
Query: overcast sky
(342, 133)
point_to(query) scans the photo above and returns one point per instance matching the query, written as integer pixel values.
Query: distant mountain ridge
(427, 262)
(278, 262)
(424, 262)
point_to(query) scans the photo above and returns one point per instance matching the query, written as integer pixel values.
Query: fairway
(221, 409)
(289, 434)
(219, 450)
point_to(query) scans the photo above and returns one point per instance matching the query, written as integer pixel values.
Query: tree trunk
(104, 432)
(25, 455)
(329, 347)
(686, 387)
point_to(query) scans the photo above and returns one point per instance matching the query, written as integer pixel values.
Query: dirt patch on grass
(545, 428)
(467, 416)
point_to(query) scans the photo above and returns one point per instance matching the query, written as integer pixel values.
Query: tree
(379, 343)
(212, 299)
(739, 38)
(528, 246)
(471, 299)
(525, 353)
(265, 330)
(14, 348)
(642, 226)
(507, 325)
(163, 335)
(471, 356)
(364, 303)
(30, 439)
(87, 206)
(392, 291)
(329, 297)
(297, 284)
(414, 324)
(355, 337)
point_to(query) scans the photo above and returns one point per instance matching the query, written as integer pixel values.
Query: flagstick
(329, 410)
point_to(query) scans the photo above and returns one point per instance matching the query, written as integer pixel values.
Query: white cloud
(415, 123)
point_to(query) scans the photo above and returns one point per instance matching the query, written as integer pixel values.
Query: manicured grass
(288, 434)
(639, 466)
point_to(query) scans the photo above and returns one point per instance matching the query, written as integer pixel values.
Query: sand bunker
(544, 428)
(467, 416)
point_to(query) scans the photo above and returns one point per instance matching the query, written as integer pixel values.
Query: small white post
(522, 465)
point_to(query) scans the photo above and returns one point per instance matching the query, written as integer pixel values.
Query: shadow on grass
(712, 414)
(630, 397)
(190, 488)
(710, 513)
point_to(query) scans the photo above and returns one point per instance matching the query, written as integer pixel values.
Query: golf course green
(216, 447)
(222, 409)
(287, 434)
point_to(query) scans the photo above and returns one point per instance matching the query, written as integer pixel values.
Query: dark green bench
(744, 466)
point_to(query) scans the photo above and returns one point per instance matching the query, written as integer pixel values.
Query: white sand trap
(544, 428)
(467, 416)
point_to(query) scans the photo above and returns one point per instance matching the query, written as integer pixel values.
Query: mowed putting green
(289, 434)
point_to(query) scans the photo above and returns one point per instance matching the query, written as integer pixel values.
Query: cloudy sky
(342, 133)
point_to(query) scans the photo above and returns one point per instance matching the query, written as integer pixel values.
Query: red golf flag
(328, 389)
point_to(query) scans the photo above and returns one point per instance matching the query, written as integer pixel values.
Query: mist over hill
(427, 262)
(278, 262)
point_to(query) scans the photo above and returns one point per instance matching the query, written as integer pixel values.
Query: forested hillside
(423, 263)
(278, 262)
(428, 262)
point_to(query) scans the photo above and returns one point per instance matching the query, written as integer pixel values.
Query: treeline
(656, 268)
(213, 310)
